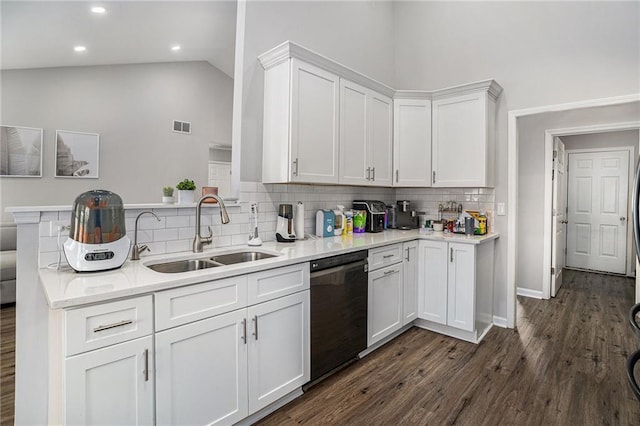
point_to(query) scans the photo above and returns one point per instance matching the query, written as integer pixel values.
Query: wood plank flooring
(7, 363)
(564, 365)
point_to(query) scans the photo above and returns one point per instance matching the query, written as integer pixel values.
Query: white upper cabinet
(464, 136)
(300, 134)
(365, 136)
(412, 142)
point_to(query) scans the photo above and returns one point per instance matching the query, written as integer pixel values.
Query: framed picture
(77, 154)
(20, 151)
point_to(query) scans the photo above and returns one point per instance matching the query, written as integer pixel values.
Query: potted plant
(167, 195)
(186, 189)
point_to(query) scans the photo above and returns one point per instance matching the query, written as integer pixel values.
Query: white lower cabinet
(110, 386)
(279, 348)
(410, 282)
(201, 372)
(385, 312)
(456, 287)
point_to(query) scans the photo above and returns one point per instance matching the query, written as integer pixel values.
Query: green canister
(359, 221)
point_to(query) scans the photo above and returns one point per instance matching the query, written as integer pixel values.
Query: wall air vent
(182, 127)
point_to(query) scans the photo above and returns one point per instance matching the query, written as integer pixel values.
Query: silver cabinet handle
(110, 326)
(451, 254)
(146, 364)
(434, 177)
(393, 271)
(397, 175)
(244, 331)
(295, 167)
(373, 174)
(255, 327)
(368, 173)
(408, 255)
(387, 256)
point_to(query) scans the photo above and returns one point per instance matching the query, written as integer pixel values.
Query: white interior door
(559, 237)
(220, 176)
(597, 210)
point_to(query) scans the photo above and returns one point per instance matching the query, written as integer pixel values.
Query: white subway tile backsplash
(177, 221)
(178, 246)
(168, 234)
(150, 222)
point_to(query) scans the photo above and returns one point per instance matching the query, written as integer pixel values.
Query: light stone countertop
(67, 288)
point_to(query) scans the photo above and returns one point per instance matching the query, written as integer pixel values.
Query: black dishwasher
(338, 312)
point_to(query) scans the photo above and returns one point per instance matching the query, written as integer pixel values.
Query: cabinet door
(385, 303)
(314, 124)
(412, 142)
(279, 348)
(354, 104)
(432, 277)
(460, 141)
(201, 373)
(110, 386)
(410, 282)
(380, 139)
(461, 287)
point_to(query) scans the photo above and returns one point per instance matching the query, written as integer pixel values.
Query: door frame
(547, 226)
(629, 263)
(512, 187)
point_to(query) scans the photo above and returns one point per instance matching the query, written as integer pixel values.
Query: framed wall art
(20, 151)
(77, 154)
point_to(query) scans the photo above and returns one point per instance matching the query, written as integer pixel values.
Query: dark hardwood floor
(564, 365)
(7, 363)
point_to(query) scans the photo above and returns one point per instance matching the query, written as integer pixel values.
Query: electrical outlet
(500, 209)
(57, 225)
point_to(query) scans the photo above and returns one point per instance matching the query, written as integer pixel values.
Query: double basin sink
(188, 265)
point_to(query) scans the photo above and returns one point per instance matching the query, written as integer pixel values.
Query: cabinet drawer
(384, 256)
(97, 326)
(195, 302)
(274, 283)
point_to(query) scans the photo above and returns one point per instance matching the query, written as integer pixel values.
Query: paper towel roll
(298, 221)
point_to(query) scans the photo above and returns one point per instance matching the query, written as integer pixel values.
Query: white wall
(531, 134)
(542, 53)
(356, 34)
(603, 140)
(132, 108)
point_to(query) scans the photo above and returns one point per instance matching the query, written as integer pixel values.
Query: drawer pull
(110, 326)
(387, 256)
(393, 271)
(146, 365)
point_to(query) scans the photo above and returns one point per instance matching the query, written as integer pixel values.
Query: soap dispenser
(254, 238)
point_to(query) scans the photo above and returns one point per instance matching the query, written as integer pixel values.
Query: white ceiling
(43, 33)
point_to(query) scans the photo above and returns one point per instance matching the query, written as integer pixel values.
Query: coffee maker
(284, 224)
(405, 217)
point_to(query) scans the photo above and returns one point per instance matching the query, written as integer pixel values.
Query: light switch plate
(500, 209)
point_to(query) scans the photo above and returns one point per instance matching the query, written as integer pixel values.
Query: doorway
(597, 206)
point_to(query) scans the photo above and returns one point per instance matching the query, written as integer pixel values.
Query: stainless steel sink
(240, 257)
(183, 266)
(188, 265)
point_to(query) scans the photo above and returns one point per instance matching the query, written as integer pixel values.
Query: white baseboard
(500, 321)
(534, 294)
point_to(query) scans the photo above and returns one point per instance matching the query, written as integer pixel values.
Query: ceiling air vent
(182, 127)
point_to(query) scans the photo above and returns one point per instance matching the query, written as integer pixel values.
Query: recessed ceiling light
(176, 47)
(80, 48)
(98, 9)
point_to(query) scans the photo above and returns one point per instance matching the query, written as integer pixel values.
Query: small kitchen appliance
(284, 224)
(325, 221)
(375, 214)
(405, 217)
(339, 221)
(98, 238)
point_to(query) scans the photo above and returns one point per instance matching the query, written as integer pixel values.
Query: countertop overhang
(67, 288)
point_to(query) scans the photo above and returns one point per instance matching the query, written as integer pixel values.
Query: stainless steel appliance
(98, 238)
(635, 309)
(284, 225)
(375, 214)
(338, 312)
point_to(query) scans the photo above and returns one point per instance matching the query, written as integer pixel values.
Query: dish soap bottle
(254, 238)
